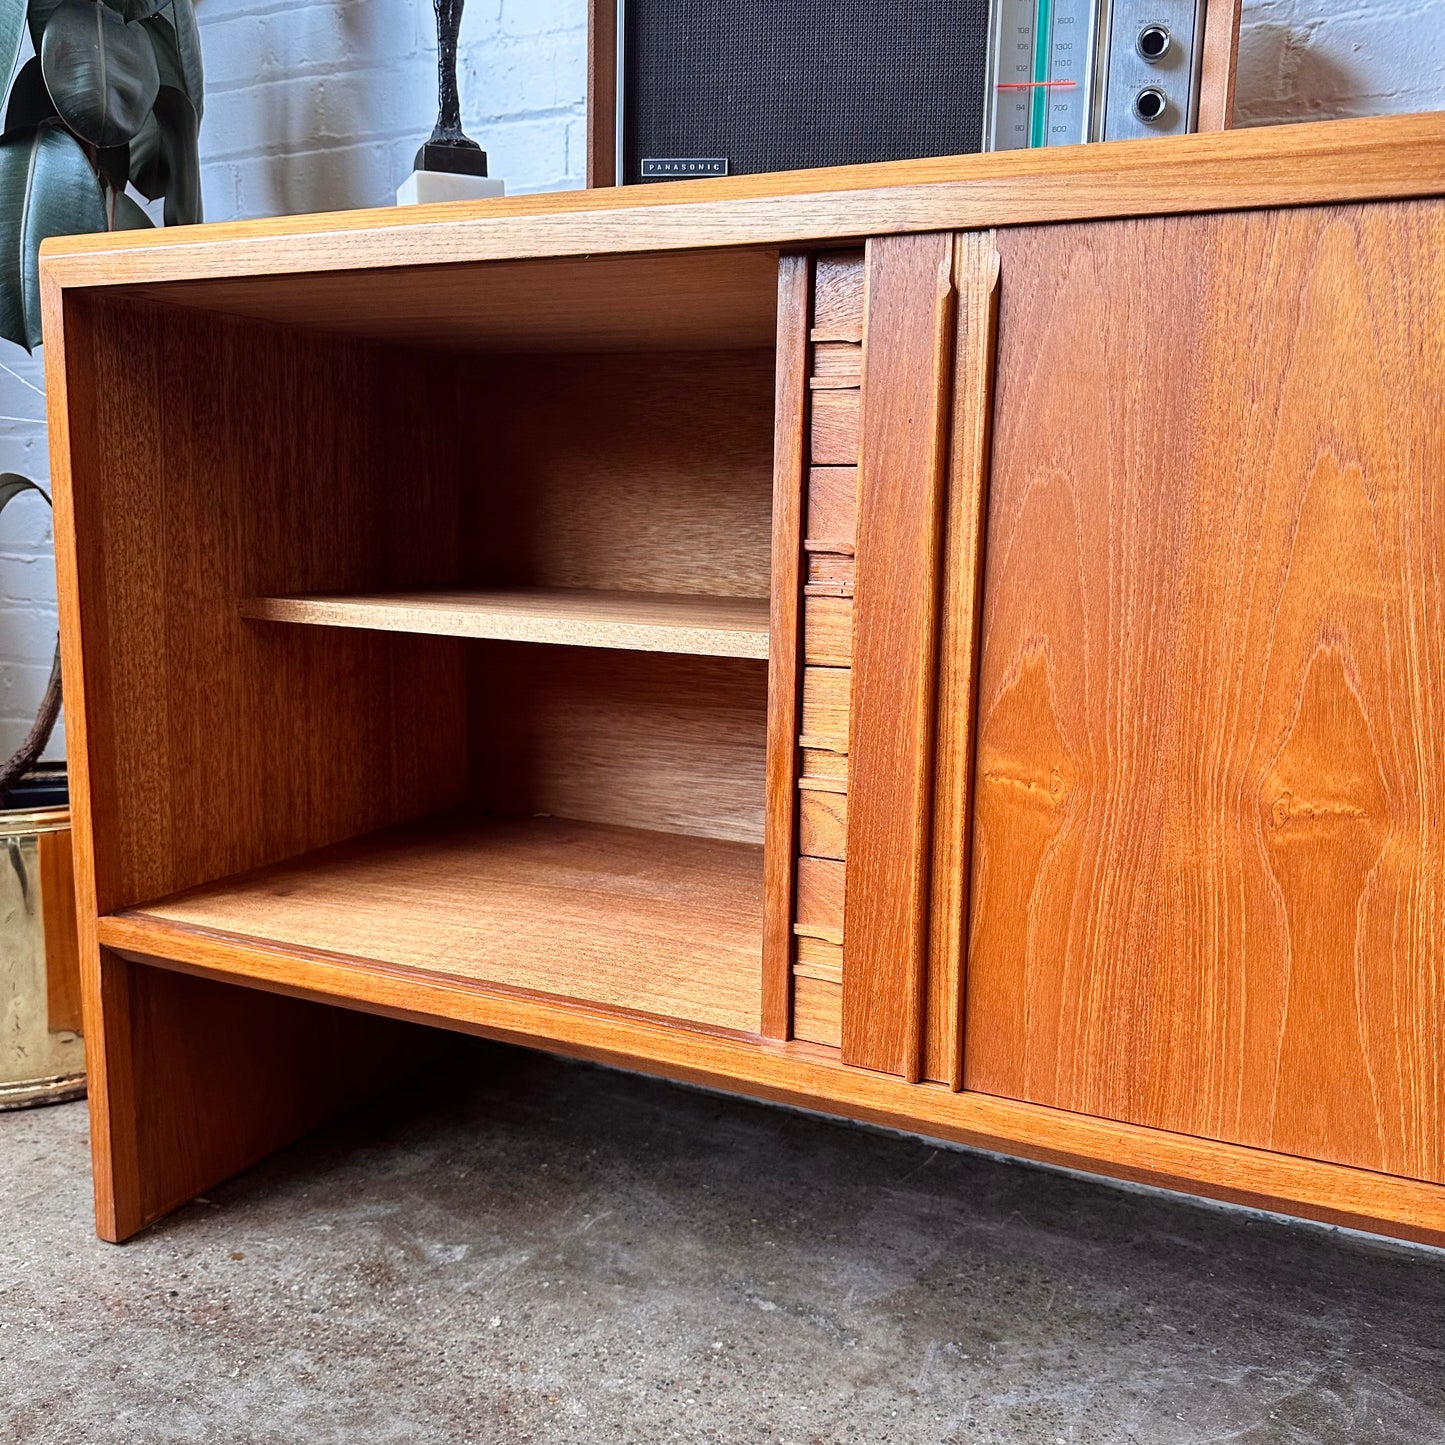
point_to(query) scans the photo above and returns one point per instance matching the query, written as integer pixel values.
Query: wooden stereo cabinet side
(601, 93)
(1219, 56)
(848, 677)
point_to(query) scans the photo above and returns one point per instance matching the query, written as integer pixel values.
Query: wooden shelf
(655, 923)
(634, 621)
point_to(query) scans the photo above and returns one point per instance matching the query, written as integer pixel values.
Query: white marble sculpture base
(420, 188)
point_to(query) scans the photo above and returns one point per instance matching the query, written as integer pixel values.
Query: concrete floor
(522, 1249)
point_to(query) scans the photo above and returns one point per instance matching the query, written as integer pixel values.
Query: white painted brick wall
(320, 104)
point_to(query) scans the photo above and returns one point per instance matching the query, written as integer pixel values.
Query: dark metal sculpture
(449, 149)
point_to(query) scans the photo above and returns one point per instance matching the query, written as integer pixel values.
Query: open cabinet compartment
(435, 639)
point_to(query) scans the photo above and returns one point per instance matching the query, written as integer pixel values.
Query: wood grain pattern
(817, 1010)
(1219, 60)
(595, 472)
(833, 507)
(637, 739)
(702, 300)
(906, 377)
(55, 860)
(817, 958)
(835, 428)
(836, 364)
(823, 823)
(821, 902)
(213, 1078)
(573, 617)
(653, 922)
(795, 301)
(828, 631)
(838, 296)
(976, 275)
(1211, 760)
(826, 708)
(212, 745)
(1308, 164)
(601, 93)
(829, 573)
(194, 750)
(823, 769)
(799, 1073)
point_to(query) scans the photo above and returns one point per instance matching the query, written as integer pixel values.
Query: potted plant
(104, 113)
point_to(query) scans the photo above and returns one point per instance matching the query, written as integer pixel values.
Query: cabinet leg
(192, 1080)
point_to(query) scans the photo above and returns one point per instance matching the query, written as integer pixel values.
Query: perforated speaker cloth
(786, 84)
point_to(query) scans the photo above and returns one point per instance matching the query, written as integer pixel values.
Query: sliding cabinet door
(882, 407)
(1208, 872)
(925, 346)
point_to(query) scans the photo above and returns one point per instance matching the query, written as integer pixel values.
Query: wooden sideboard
(957, 644)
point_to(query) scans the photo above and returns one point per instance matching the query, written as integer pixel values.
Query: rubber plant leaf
(47, 188)
(177, 42)
(146, 172)
(30, 102)
(128, 216)
(100, 72)
(12, 485)
(182, 16)
(112, 165)
(12, 32)
(40, 13)
(138, 9)
(180, 156)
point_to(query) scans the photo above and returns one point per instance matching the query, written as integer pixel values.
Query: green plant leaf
(188, 42)
(30, 102)
(100, 72)
(47, 188)
(12, 32)
(129, 216)
(13, 485)
(180, 156)
(40, 12)
(146, 172)
(177, 42)
(112, 165)
(138, 9)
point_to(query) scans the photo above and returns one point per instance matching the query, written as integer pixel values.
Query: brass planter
(42, 1055)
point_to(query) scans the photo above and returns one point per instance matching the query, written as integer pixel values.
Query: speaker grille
(786, 84)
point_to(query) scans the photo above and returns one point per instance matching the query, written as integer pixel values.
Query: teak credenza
(959, 644)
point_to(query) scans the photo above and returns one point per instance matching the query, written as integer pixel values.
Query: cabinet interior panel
(630, 919)
(642, 740)
(630, 473)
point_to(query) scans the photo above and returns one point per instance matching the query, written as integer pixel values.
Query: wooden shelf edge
(813, 1077)
(628, 621)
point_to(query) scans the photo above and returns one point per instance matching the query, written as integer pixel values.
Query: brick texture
(320, 105)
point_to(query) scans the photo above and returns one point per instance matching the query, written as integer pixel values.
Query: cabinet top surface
(1350, 160)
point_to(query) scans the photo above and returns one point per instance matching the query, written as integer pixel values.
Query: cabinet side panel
(231, 460)
(216, 1077)
(194, 462)
(1209, 862)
